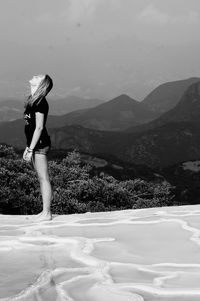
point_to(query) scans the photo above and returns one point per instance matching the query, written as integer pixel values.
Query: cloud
(72, 11)
(151, 14)
(77, 10)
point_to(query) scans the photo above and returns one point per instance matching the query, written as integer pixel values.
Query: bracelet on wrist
(30, 150)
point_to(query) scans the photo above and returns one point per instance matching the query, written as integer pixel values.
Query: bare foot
(44, 216)
(39, 214)
(33, 217)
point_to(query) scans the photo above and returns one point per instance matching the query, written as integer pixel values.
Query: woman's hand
(27, 155)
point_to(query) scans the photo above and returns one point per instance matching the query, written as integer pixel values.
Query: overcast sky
(98, 48)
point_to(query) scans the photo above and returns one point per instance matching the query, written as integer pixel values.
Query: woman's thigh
(40, 164)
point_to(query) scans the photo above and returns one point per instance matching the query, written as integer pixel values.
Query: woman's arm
(39, 120)
(27, 155)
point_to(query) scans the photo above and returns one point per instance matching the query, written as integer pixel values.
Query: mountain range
(173, 136)
(124, 113)
(114, 115)
(186, 110)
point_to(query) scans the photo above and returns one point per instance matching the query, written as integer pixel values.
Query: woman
(38, 140)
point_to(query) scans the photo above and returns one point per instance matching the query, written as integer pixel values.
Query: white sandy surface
(130, 255)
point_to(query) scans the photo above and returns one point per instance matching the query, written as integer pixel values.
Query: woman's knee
(43, 178)
(41, 167)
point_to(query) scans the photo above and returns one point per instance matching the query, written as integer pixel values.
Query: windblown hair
(43, 89)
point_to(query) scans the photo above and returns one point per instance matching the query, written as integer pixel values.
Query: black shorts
(43, 151)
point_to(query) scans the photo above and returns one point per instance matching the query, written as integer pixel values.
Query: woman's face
(36, 80)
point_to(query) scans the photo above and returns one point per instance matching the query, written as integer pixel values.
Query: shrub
(74, 190)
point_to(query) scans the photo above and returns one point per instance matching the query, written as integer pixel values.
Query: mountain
(172, 138)
(126, 114)
(12, 109)
(165, 145)
(186, 110)
(158, 148)
(60, 121)
(119, 113)
(114, 115)
(167, 95)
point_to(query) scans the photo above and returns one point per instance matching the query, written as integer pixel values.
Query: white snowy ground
(147, 254)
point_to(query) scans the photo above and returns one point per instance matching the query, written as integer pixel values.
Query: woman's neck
(33, 89)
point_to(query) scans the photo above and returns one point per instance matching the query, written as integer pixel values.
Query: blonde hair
(43, 89)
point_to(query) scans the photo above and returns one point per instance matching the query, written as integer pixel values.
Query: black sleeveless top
(30, 120)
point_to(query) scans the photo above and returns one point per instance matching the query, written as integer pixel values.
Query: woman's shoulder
(41, 106)
(41, 101)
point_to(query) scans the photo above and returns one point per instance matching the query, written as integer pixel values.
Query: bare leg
(41, 166)
(39, 214)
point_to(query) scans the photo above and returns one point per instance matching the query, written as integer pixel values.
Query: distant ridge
(167, 95)
(173, 137)
(113, 115)
(187, 109)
